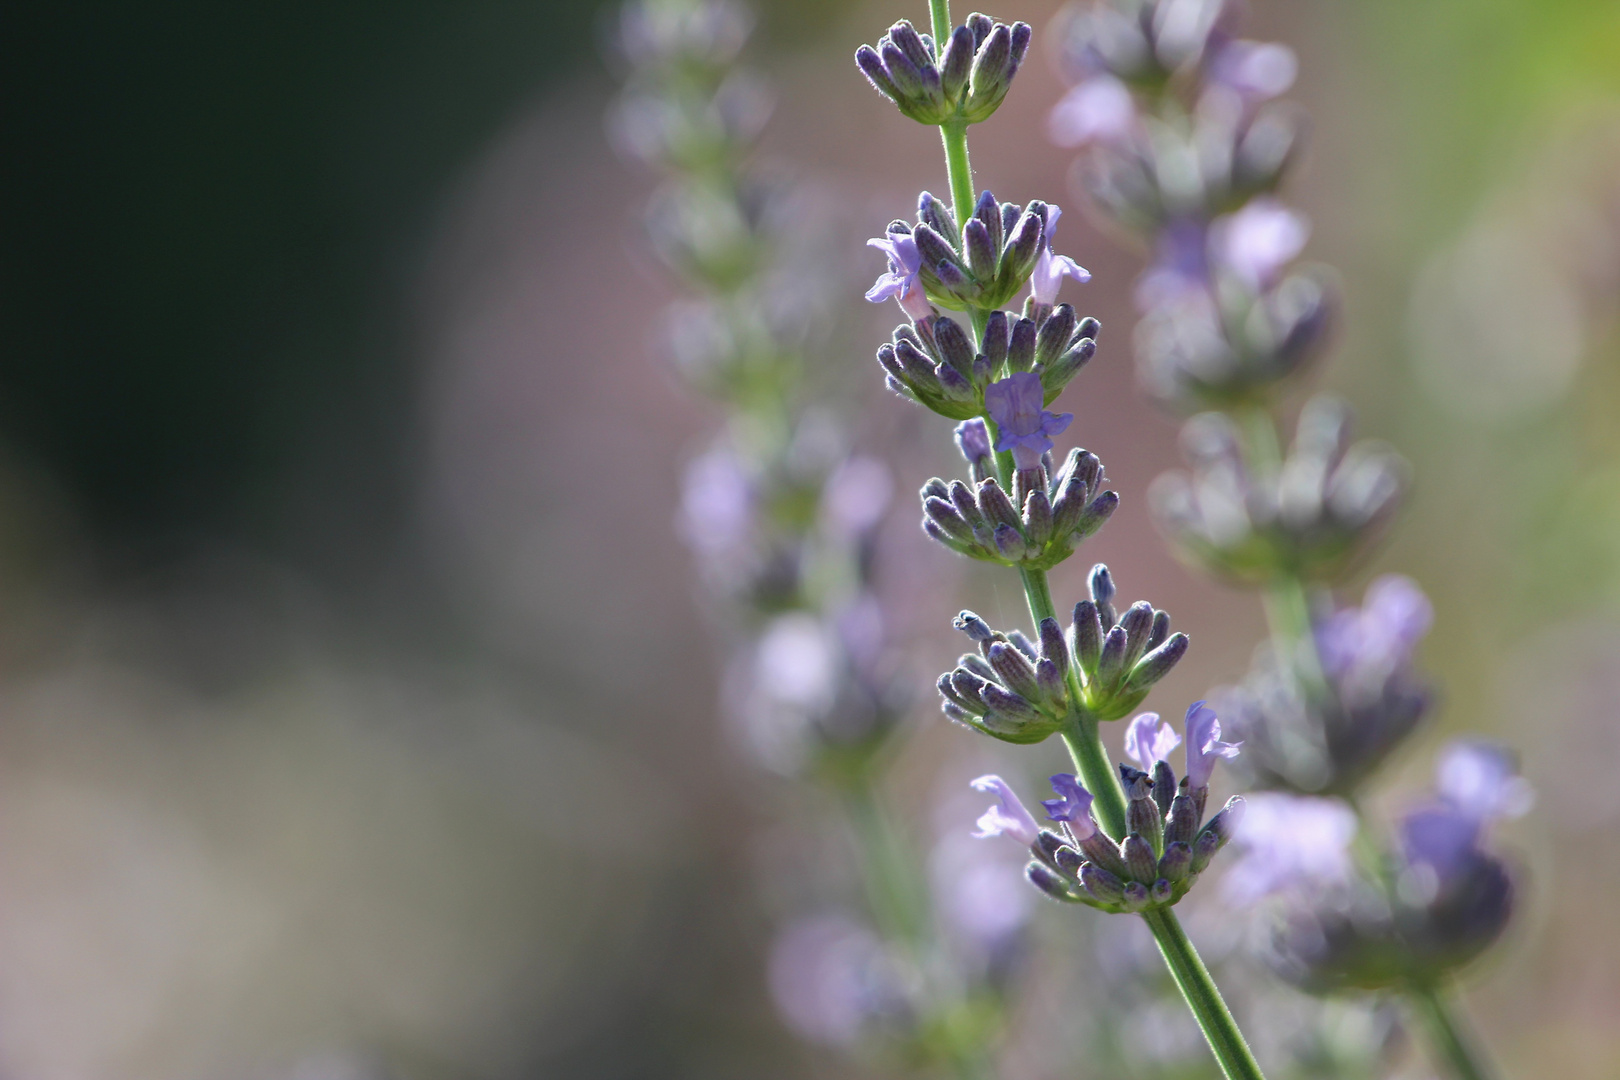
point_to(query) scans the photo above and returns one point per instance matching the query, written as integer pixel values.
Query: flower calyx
(963, 83)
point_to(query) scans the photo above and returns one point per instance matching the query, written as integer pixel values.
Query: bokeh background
(357, 713)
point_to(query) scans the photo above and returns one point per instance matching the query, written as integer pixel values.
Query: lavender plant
(1185, 145)
(1127, 842)
(782, 518)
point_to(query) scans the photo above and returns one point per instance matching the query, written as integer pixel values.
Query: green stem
(893, 889)
(1193, 979)
(1079, 730)
(1450, 1036)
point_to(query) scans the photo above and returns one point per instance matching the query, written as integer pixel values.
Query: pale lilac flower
(979, 890)
(1259, 240)
(1008, 818)
(900, 282)
(1289, 843)
(1099, 110)
(1072, 806)
(1440, 837)
(1016, 404)
(796, 662)
(855, 496)
(1150, 740)
(1370, 643)
(1481, 779)
(1050, 270)
(1257, 71)
(829, 976)
(1204, 744)
(717, 504)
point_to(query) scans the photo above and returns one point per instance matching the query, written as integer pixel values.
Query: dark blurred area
(357, 718)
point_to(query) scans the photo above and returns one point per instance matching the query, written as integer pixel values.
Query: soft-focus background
(357, 714)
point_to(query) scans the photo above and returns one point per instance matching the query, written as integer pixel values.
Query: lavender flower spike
(900, 281)
(1016, 404)
(1148, 745)
(1009, 818)
(1050, 270)
(1204, 744)
(1074, 807)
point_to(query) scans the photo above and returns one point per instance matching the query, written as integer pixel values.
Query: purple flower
(900, 281)
(1016, 404)
(1440, 837)
(1148, 745)
(830, 977)
(1255, 70)
(1073, 805)
(1370, 643)
(1050, 270)
(1204, 744)
(1481, 779)
(1007, 819)
(1099, 110)
(973, 439)
(1259, 240)
(1289, 843)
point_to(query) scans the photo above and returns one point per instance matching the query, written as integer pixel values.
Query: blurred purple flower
(979, 890)
(1099, 110)
(900, 282)
(829, 976)
(855, 496)
(1257, 241)
(1149, 739)
(1050, 270)
(1369, 643)
(1289, 843)
(1073, 805)
(1008, 818)
(1481, 779)
(1256, 71)
(1016, 404)
(717, 503)
(1204, 744)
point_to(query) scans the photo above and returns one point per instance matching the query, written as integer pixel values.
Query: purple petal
(1098, 110)
(1481, 780)
(1204, 745)
(1009, 818)
(1289, 842)
(1150, 740)
(1073, 805)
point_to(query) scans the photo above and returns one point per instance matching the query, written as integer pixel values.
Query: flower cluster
(963, 84)
(1184, 144)
(1441, 898)
(1167, 844)
(1309, 515)
(1327, 738)
(937, 365)
(1021, 692)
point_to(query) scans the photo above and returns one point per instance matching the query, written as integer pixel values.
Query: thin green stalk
(1450, 1036)
(1196, 985)
(894, 889)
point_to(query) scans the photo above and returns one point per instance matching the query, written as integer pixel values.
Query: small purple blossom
(1050, 270)
(830, 977)
(1073, 805)
(1257, 241)
(1204, 744)
(1150, 740)
(900, 282)
(973, 439)
(1016, 404)
(1099, 110)
(1254, 70)
(1440, 837)
(1481, 779)
(1370, 643)
(1289, 843)
(1008, 818)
